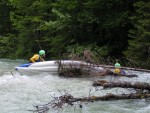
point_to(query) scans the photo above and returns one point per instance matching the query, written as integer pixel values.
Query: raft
(53, 66)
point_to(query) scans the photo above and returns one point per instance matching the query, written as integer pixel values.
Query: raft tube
(52, 66)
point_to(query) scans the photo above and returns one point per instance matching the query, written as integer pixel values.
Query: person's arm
(34, 58)
(42, 59)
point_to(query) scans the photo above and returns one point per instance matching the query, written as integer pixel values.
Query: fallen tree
(125, 68)
(107, 63)
(82, 69)
(68, 99)
(138, 85)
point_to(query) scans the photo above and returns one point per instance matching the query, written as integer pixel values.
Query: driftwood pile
(87, 70)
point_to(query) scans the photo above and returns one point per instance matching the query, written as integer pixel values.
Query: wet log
(59, 102)
(113, 97)
(81, 69)
(74, 72)
(71, 100)
(137, 85)
(125, 68)
(88, 71)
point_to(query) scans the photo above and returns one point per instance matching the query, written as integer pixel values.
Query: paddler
(118, 69)
(38, 57)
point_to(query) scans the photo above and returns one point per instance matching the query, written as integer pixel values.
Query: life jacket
(39, 59)
(36, 58)
(117, 70)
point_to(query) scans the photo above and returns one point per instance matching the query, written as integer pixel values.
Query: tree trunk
(125, 68)
(137, 85)
(113, 97)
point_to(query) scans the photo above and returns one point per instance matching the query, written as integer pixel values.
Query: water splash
(20, 93)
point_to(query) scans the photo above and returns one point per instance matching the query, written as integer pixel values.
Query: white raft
(53, 66)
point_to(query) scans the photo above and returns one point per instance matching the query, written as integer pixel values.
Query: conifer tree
(139, 45)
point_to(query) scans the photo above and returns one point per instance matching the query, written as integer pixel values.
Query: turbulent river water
(19, 93)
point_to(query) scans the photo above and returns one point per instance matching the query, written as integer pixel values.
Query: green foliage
(139, 46)
(8, 46)
(79, 49)
(27, 19)
(5, 24)
(60, 26)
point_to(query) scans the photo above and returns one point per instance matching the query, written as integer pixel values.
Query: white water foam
(19, 93)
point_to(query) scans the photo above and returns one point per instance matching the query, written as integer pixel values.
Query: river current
(18, 93)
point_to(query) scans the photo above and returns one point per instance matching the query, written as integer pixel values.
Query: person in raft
(118, 69)
(38, 57)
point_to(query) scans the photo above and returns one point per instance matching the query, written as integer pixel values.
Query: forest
(117, 29)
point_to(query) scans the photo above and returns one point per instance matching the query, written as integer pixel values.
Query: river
(19, 93)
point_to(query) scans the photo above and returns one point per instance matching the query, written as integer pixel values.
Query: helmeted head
(117, 65)
(41, 52)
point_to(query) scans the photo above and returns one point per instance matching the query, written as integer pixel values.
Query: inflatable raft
(53, 66)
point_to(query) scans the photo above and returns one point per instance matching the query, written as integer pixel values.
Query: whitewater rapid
(19, 93)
